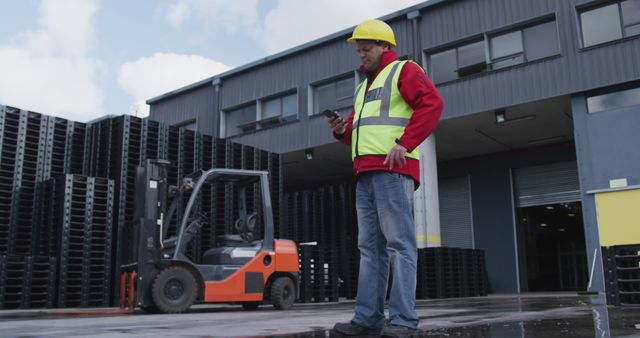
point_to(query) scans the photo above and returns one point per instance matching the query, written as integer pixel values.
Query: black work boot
(397, 331)
(353, 329)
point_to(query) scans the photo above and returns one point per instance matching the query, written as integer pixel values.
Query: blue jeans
(386, 236)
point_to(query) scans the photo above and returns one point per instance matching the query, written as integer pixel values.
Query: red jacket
(423, 97)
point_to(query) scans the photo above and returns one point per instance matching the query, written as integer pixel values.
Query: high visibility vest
(381, 114)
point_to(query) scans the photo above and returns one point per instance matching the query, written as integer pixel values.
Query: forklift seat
(245, 227)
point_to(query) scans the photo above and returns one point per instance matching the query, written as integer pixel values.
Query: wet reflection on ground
(497, 316)
(586, 317)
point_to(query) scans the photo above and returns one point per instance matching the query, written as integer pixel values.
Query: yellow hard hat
(373, 30)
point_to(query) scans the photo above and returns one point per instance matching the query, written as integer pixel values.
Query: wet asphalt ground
(527, 315)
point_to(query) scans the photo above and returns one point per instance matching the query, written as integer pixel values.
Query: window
(527, 44)
(457, 62)
(507, 50)
(279, 109)
(631, 17)
(541, 41)
(471, 59)
(273, 111)
(531, 42)
(613, 100)
(240, 120)
(443, 66)
(334, 95)
(610, 22)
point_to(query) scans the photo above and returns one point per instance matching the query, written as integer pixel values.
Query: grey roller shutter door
(456, 226)
(547, 184)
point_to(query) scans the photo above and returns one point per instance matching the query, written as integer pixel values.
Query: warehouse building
(536, 153)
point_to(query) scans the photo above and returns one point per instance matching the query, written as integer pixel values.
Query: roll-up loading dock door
(547, 184)
(456, 224)
(550, 229)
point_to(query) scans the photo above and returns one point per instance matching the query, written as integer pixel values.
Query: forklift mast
(150, 204)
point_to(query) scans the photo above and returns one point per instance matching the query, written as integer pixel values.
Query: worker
(395, 108)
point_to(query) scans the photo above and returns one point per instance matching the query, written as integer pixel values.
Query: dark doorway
(554, 247)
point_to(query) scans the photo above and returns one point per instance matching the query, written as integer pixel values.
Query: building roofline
(213, 80)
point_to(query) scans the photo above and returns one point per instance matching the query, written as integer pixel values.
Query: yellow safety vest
(381, 114)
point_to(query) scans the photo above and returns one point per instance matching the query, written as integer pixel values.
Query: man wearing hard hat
(395, 109)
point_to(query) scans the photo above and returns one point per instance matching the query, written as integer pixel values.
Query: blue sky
(81, 59)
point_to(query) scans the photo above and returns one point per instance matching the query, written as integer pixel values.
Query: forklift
(239, 268)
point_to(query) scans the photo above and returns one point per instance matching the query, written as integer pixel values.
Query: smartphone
(330, 113)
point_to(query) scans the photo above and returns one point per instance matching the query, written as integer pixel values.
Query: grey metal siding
(298, 72)
(461, 19)
(197, 103)
(447, 22)
(575, 70)
(295, 72)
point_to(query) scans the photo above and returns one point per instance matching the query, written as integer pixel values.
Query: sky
(83, 59)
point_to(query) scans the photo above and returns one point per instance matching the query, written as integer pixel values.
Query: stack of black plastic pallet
(62, 235)
(27, 282)
(327, 215)
(122, 143)
(116, 145)
(348, 243)
(213, 197)
(450, 272)
(321, 221)
(474, 275)
(622, 274)
(78, 220)
(318, 274)
(33, 148)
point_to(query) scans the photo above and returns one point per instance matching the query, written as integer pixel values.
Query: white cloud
(294, 22)
(48, 70)
(160, 73)
(178, 12)
(231, 15)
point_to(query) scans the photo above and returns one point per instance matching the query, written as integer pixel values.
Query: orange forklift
(238, 269)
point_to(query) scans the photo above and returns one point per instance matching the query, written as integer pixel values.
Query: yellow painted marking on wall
(434, 239)
(430, 238)
(618, 217)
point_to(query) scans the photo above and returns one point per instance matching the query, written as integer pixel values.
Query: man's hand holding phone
(336, 122)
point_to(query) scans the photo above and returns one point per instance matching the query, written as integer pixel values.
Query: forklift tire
(283, 293)
(174, 290)
(249, 306)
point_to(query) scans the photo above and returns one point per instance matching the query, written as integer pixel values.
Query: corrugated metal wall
(447, 22)
(573, 71)
(298, 72)
(197, 103)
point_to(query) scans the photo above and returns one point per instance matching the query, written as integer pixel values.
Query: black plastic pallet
(622, 274)
(319, 274)
(27, 282)
(85, 240)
